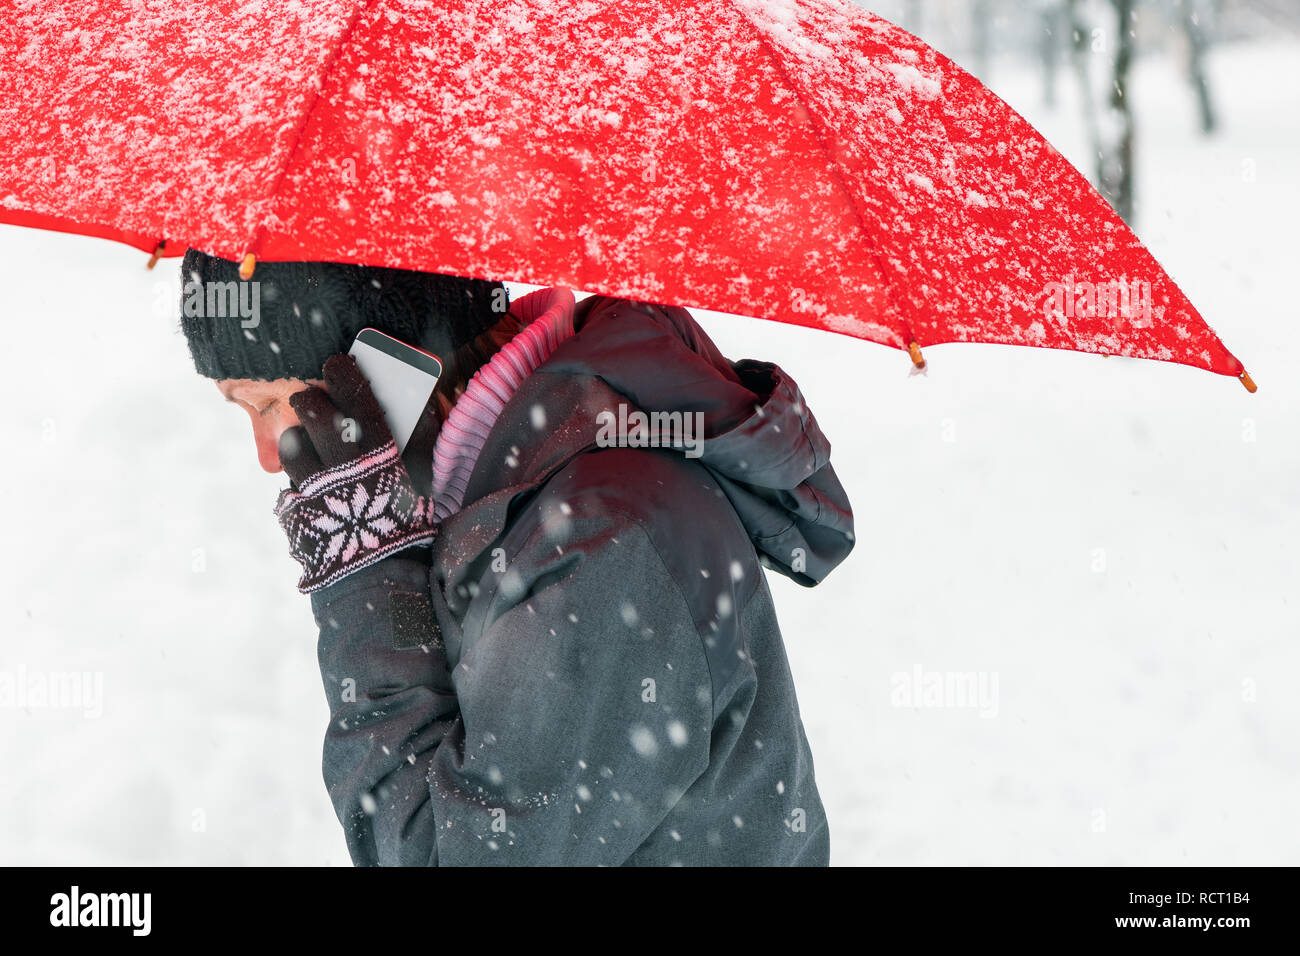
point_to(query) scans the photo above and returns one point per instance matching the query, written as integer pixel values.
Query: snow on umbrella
(799, 160)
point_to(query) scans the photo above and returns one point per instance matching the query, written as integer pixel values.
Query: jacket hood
(759, 440)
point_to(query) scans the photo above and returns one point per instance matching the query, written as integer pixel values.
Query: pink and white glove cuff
(348, 517)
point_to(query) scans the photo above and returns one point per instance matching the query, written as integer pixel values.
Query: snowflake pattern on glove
(348, 517)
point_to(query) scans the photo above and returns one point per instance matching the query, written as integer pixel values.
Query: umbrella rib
(837, 172)
(326, 69)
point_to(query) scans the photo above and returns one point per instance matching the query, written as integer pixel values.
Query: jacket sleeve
(571, 724)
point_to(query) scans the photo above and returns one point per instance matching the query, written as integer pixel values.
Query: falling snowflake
(643, 741)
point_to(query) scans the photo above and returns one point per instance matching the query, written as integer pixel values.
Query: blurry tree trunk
(1194, 26)
(912, 16)
(1116, 168)
(981, 30)
(1081, 43)
(1107, 55)
(1049, 45)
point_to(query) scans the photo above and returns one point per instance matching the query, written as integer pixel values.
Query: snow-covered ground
(1111, 546)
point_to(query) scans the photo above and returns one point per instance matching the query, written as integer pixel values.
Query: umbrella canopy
(799, 160)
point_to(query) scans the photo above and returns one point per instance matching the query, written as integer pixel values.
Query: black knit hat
(291, 316)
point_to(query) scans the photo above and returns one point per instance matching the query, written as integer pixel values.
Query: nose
(268, 448)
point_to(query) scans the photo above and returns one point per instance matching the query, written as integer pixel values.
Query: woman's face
(267, 405)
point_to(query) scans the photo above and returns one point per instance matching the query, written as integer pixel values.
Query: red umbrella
(799, 160)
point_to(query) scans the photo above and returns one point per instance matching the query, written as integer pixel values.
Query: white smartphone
(401, 376)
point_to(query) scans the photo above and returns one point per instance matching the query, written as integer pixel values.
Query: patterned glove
(351, 501)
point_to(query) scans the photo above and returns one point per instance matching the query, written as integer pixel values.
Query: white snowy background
(1117, 542)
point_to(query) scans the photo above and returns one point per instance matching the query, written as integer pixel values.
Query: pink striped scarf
(548, 318)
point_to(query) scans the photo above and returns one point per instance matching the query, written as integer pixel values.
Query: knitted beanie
(291, 316)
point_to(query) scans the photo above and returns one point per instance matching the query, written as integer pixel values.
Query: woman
(543, 640)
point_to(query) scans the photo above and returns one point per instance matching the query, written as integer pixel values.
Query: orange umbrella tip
(1247, 381)
(247, 266)
(918, 359)
(157, 254)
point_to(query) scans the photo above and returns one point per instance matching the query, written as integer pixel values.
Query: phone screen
(401, 376)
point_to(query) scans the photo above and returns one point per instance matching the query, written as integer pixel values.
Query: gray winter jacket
(590, 671)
